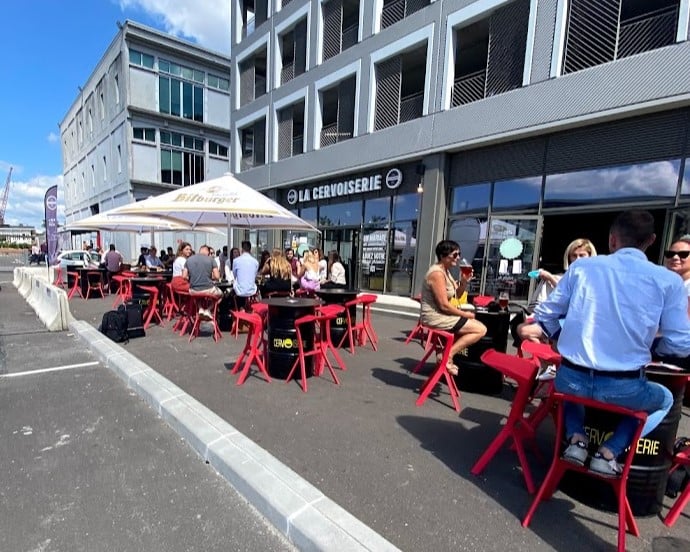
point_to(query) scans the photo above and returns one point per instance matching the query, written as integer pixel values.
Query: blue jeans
(633, 393)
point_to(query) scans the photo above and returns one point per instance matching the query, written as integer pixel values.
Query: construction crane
(3, 199)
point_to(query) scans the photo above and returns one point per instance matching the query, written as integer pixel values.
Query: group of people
(606, 315)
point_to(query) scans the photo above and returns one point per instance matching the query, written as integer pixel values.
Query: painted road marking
(54, 369)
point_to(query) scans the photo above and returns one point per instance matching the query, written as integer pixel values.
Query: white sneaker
(549, 373)
(205, 313)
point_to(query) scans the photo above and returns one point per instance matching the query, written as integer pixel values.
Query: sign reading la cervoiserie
(354, 186)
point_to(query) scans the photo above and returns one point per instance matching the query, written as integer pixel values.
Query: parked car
(73, 257)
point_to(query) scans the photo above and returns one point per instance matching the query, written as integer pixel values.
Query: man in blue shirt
(244, 269)
(605, 313)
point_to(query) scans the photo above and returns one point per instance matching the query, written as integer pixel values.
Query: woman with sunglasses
(676, 259)
(436, 310)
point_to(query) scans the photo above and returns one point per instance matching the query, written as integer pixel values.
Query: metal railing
(411, 107)
(469, 88)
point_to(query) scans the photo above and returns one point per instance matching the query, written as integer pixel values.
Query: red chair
(57, 276)
(359, 332)
(94, 283)
(76, 285)
(321, 347)
(523, 372)
(439, 342)
(559, 466)
(329, 313)
(124, 289)
(543, 353)
(170, 306)
(254, 347)
(250, 301)
(208, 302)
(151, 311)
(185, 311)
(680, 459)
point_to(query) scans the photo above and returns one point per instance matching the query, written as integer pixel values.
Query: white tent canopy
(223, 202)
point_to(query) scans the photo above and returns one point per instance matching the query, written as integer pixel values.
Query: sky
(48, 48)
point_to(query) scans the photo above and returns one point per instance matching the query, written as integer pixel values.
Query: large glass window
(341, 214)
(183, 162)
(377, 211)
(472, 198)
(517, 194)
(180, 98)
(643, 181)
(139, 58)
(406, 206)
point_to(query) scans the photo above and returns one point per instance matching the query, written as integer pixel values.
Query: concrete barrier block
(16, 282)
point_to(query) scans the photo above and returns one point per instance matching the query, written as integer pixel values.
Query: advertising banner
(50, 204)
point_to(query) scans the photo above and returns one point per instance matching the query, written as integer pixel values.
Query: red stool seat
(359, 332)
(208, 302)
(680, 459)
(523, 372)
(76, 285)
(57, 276)
(439, 342)
(559, 466)
(151, 311)
(254, 347)
(170, 306)
(124, 289)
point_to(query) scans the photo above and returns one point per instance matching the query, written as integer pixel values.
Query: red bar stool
(330, 313)
(254, 347)
(170, 306)
(208, 302)
(186, 313)
(559, 466)
(124, 289)
(362, 329)
(523, 372)
(542, 353)
(321, 340)
(57, 276)
(439, 342)
(94, 282)
(680, 459)
(151, 311)
(76, 285)
(418, 330)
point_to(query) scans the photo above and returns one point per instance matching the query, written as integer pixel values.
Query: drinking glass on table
(503, 299)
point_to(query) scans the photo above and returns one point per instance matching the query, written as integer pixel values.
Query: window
(219, 150)
(254, 13)
(89, 121)
(338, 112)
(253, 144)
(293, 51)
(105, 170)
(145, 134)
(400, 88)
(340, 26)
(139, 58)
(182, 161)
(520, 194)
(116, 82)
(341, 214)
(187, 73)
(181, 98)
(291, 130)
(119, 159)
(252, 74)
(395, 10)
(471, 199)
(93, 176)
(219, 83)
(599, 31)
(102, 106)
(490, 54)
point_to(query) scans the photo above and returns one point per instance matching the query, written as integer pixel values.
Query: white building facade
(154, 115)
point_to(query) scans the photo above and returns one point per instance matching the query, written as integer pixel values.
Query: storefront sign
(355, 186)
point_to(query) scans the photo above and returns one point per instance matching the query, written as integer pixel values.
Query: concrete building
(523, 124)
(153, 115)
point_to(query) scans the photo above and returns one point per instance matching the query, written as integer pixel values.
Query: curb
(307, 517)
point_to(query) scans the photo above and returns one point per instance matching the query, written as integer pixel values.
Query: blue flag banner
(50, 202)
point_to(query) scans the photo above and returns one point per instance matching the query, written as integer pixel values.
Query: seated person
(141, 261)
(278, 273)
(309, 272)
(244, 269)
(201, 271)
(336, 272)
(179, 283)
(152, 260)
(436, 310)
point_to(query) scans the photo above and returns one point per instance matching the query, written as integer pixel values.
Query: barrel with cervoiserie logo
(283, 346)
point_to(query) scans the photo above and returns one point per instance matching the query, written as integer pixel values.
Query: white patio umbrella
(133, 223)
(223, 202)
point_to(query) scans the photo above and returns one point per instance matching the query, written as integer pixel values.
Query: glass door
(511, 247)
(346, 242)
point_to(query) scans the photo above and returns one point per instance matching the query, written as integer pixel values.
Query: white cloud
(53, 137)
(25, 200)
(207, 22)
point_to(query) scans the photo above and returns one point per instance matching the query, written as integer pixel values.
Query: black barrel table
(473, 375)
(339, 296)
(653, 454)
(283, 349)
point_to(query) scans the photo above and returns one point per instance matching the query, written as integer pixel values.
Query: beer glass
(465, 268)
(503, 299)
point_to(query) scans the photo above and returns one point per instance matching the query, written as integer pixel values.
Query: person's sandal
(576, 453)
(603, 466)
(452, 369)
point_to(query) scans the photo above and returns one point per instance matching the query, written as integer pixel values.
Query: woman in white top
(323, 265)
(336, 271)
(178, 282)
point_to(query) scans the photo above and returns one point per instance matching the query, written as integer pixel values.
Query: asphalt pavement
(400, 469)
(86, 465)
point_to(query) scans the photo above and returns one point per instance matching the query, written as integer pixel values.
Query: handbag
(457, 301)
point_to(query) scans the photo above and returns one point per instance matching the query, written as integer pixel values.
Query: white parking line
(54, 369)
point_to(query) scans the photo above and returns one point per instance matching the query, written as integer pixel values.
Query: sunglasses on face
(454, 255)
(681, 254)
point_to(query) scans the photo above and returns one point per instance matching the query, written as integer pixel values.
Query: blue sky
(50, 47)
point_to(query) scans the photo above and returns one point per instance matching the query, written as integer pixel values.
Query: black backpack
(680, 477)
(114, 325)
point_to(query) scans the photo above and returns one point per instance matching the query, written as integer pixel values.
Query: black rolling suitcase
(135, 320)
